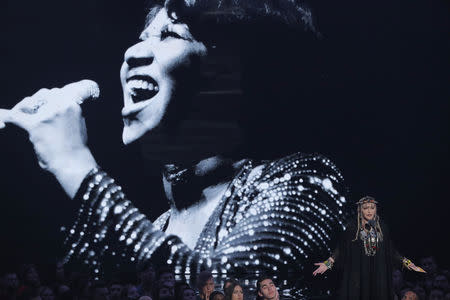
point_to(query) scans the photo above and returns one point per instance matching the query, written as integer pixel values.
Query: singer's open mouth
(142, 87)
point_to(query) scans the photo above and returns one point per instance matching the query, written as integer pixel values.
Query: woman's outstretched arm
(272, 223)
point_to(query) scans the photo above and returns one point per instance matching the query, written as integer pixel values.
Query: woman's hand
(57, 131)
(321, 269)
(412, 266)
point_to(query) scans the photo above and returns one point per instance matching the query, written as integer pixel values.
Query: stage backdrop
(382, 119)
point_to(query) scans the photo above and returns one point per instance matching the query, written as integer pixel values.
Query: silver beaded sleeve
(273, 220)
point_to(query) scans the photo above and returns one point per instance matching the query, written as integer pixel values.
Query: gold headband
(366, 199)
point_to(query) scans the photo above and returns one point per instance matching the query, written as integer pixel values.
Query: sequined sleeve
(274, 220)
(109, 228)
(285, 217)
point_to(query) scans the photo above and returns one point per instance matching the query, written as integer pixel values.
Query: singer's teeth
(142, 87)
(140, 84)
(141, 90)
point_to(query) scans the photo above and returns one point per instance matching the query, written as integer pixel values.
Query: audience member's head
(440, 281)
(205, 284)
(188, 294)
(217, 295)
(10, 281)
(166, 277)
(165, 292)
(145, 298)
(180, 286)
(436, 294)
(266, 288)
(130, 292)
(420, 291)
(409, 295)
(61, 290)
(60, 275)
(403, 292)
(115, 289)
(234, 291)
(227, 283)
(146, 273)
(99, 291)
(67, 295)
(29, 275)
(46, 293)
(428, 263)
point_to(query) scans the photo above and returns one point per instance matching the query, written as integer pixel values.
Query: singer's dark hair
(266, 50)
(230, 289)
(277, 43)
(289, 12)
(202, 278)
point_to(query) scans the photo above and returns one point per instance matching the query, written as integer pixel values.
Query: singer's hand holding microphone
(57, 129)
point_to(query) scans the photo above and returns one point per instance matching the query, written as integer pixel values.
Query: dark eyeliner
(167, 33)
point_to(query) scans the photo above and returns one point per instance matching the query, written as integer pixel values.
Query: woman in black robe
(366, 257)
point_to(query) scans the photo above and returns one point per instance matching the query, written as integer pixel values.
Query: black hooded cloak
(365, 277)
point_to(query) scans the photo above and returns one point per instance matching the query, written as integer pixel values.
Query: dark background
(384, 122)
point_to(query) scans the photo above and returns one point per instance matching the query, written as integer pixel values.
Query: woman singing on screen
(225, 214)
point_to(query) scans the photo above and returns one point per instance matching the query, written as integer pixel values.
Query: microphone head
(94, 89)
(89, 89)
(372, 223)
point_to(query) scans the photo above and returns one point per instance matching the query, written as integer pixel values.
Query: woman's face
(369, 211)
(208, 288)
(47, 294)
(32, 277)
(155, 70)
(238, 294)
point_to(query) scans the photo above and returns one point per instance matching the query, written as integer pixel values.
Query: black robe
(365, 277)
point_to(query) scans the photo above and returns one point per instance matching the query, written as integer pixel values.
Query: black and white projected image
(228, 213)
(216, 136)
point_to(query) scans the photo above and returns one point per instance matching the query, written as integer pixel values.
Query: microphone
(371, 224)
(79, 92)
(85, 90)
